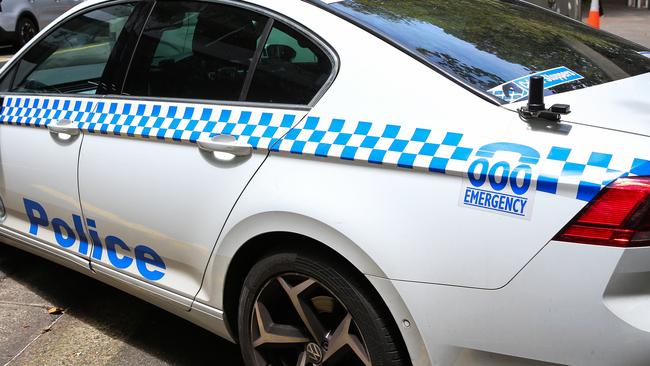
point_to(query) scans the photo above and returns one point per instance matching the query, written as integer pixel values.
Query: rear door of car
(166, 157)
(48, 93)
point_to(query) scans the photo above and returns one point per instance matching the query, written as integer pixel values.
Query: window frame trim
(257, 56)
(127, 68)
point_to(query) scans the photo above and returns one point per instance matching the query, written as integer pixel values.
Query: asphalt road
(99, 324)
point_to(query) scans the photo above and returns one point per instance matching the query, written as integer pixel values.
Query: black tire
(372, 324)
(26, 29)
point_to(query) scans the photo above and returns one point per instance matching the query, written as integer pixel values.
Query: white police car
(344, 182)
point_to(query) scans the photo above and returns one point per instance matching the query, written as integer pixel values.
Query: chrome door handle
(225, 144)
(64, 126)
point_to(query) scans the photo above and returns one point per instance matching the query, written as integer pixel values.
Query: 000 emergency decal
(148, 263)
(501, 185)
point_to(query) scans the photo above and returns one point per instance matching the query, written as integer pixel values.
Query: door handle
(225, 144)
(64, 126)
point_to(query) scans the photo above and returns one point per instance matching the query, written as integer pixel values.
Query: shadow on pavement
(101, 325)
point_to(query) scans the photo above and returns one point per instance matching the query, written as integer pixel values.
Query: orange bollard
(594, 14)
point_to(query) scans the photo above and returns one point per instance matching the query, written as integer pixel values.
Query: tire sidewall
(331, 275)
(20, 41)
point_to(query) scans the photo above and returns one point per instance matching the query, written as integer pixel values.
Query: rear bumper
(572, 304)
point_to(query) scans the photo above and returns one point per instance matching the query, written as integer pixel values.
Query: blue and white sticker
(517, 89)
(500, 178)
(645, 53)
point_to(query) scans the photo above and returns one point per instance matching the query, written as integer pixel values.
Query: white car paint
(149, 178)
(470, 283)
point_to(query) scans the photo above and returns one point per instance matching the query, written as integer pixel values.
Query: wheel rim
(296, 320)
(27, 31)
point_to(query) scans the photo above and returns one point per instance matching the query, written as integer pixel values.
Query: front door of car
(47, 95)
(166, 161)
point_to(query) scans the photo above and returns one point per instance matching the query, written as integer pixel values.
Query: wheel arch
(265, 233)
(28, 14)
(262, 234)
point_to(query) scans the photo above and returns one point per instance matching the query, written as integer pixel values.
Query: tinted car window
(195, 50)
(292, 69)
(490, 43)
(5, 84)
(73, 57)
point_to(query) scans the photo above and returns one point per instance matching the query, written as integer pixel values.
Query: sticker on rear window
(517, 89)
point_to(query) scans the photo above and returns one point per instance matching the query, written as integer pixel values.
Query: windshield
(494, 46)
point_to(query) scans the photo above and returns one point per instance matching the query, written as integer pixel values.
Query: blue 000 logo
(500, 175)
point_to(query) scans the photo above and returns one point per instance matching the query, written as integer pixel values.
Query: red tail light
(619, 216)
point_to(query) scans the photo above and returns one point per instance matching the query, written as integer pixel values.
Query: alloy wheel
(27, 31)
(296, 320)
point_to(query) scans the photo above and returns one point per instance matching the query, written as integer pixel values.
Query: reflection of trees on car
(515, 32)
(472, 74)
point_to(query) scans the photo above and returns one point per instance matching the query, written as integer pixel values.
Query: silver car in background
(20, 20)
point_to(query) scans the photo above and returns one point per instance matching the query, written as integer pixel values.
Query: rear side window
(72, 59)
(292, 69)
(494, 45)
(195, 50)
(201, 50)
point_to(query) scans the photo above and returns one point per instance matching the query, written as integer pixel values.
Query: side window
(72, 58)
(292, 69)
(195, 50)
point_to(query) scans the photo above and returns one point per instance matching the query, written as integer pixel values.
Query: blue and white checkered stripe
(583, 174)
(569, 172)
(376, 143)
(40, 112)
(179, 122)
(190, 122)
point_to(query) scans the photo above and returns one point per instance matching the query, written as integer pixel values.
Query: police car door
(168, 159)
(48, 96)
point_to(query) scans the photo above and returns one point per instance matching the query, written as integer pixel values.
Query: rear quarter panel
(409, 223)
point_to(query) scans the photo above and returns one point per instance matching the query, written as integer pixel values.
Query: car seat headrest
(280, 52)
